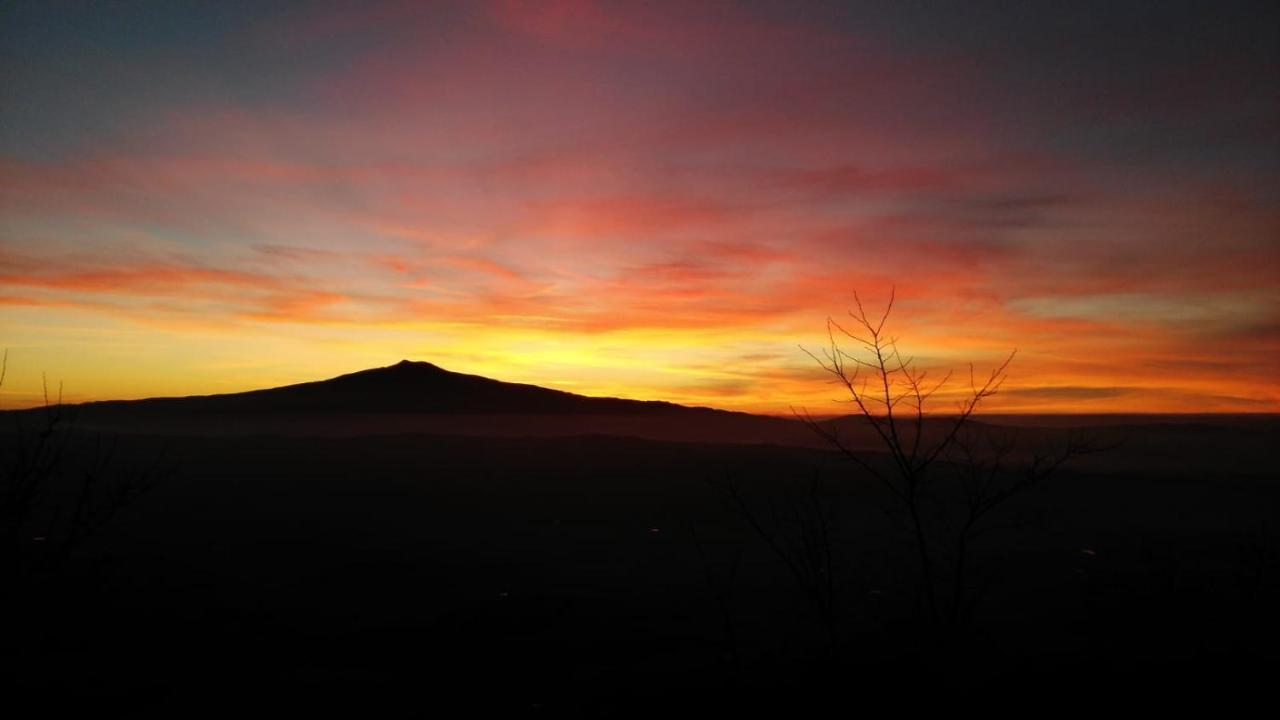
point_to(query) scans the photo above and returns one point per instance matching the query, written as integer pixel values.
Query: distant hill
(419, 397)
(406, 387)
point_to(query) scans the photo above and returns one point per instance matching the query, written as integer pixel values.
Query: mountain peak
(415, 386)
(410, 365)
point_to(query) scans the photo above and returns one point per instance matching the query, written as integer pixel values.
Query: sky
(647, 200)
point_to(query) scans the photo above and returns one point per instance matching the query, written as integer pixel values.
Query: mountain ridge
(416, 397)
(406, 387)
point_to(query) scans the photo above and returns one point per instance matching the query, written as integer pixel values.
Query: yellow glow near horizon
(732, 369)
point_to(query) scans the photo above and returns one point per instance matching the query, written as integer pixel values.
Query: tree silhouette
(946, 480)
(57, 488)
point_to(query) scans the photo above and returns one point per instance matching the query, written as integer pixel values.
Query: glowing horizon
(643, 201)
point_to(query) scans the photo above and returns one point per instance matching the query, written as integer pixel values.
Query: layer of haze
(639, 199)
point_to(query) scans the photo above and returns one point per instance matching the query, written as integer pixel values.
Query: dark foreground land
(612, 575)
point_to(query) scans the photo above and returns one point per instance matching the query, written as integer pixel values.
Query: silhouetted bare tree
(946, 479)
(57, 489)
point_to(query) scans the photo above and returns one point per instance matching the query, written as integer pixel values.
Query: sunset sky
(647, 200)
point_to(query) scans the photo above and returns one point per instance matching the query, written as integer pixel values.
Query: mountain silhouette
(406, 387)
(423, 398)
